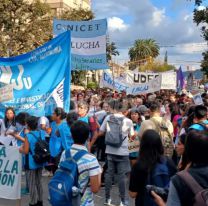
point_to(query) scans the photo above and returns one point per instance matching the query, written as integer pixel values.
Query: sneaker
(108, 202)
(123, 204)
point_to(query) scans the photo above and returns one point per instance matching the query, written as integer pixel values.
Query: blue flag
(40, 78)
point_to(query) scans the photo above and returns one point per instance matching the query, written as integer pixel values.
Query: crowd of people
(153, 146)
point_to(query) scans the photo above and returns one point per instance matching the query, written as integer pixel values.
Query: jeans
(121, 165)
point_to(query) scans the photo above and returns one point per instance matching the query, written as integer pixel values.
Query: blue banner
(88, 42)
(36, 75)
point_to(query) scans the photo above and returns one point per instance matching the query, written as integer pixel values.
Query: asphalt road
(99, 198)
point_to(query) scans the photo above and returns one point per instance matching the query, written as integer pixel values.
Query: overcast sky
(169, 22)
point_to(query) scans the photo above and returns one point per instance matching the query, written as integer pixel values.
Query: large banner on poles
(10, 172)
(35, 75)
(119, 85)
(169, 78)
(88, 42)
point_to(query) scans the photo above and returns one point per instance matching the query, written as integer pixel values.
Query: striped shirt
(88, 166)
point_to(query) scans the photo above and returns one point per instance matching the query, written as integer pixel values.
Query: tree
(144, 48)
(111, 50)
(156, 66)
(77, 15)
(24, 26)
(201, 17)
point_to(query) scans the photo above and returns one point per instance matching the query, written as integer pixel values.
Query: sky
(169, 22)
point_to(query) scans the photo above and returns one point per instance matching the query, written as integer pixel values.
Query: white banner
(88, 46)
(134, 77)
(10, 172)
(6, 93)
(135, 89)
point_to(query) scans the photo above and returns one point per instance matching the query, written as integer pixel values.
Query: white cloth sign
(6, 93)
(10, 172)
(135, 89)
(133, 145)
(134, 77)
(198, 99)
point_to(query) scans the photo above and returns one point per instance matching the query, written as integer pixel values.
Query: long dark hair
(151, 150)
(6, 121)
(60, 112)
(196, 147)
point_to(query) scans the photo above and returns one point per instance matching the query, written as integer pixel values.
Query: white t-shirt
(127, 130)
(7, 139)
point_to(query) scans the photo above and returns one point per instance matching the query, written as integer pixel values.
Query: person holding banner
(8, 128)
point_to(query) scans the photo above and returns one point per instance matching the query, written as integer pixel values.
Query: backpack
(159, 177)
(41, 152)
(113, 136)
(166, 137)
(200, 194)
(202, 124)
(63, 187)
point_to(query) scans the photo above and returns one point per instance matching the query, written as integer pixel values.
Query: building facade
(58, 6)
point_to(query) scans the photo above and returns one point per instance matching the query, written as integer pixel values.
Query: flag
(180, 79)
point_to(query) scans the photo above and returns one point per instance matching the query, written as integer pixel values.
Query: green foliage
(144, 48)
(201, 17)
(24, 26)
(111, 50)
(156, 66)
(77, 15)
(92, 85)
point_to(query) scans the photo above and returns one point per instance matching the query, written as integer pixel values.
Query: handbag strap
(190, 181)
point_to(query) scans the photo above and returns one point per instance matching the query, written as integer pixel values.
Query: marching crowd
(154, 147)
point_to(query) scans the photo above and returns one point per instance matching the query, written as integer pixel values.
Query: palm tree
(144, 48)
(111, 50)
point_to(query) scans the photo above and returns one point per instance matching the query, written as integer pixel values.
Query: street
(99, 197)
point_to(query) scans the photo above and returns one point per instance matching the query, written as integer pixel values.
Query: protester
(134, 142)
(117, 157)
(55, 143)
(8, 128)
(152, 168)
(161, 125)
(33, 170)
(182, 189)
(200, 119)
(88, 166)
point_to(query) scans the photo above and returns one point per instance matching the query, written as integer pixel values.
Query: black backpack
(41, 151)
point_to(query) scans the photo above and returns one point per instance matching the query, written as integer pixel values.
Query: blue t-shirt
(55, 144)
(65, 134)
(199, 127)
(84, 119)
(32, 139)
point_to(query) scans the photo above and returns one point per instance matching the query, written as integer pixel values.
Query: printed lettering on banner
(36, 74)
(10, 173)
(115, 83)
(134, 77)
(88, 43)
(6, 93)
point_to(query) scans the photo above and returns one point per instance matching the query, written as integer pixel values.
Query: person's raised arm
(25, 147)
